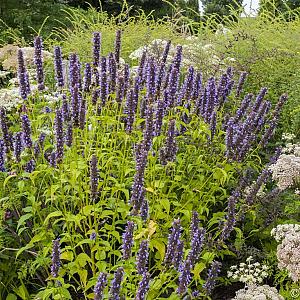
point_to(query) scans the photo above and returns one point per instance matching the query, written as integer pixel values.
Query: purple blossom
(52, 159)
(143, 287)
(148, 133)
(127, 240)
(178, 255)
(213, 124)
(259, 99)
(144, 209)
(173, 239)
(151, 71)
(38, 61)
(118, 46)
(211, 99)
(66, 109)
(142, 257)
(82, 113)
(186, 91)
(112, 67)
(94, 177)
(240, 84)
(6, 135)
(169, 151)
(2, 156)
(96, 48)
(114, 293)
(87, 78)
(93, 236)
(23, 77)
(197, 89)
(74, 71)
(18, 146)
(100, 286)
(26, 127)
(59, 135)
(241, 112)
(184, 277)
(120, 89)
(75, 104)
(212, 276)
(55, 257)
(30, 166)
(129, 111)
(103, 81)
(159, 115)
(58, 67)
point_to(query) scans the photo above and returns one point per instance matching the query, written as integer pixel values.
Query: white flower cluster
(288, 136)
(286, 171)
(256, 292)
(8, 56)
(288, 255)
(281, 231)
(248, 273)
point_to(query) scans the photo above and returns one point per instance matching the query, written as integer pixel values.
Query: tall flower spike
(114, 293)
(169, 151)
(55, 258)
(82, 114)
(184, 277)
(6, 135)
(213, 125)
(159, 115)
(142, 257)
(2, 156)
(58, 67)
(173, 238)
(74, 71)
(69, 135)
(87, 78)
(177, 259)
(59, 135)
(151, 70)
(38, 61)
(112, 67)
(240, 84)
(149, 130)
(18, 147)
(39, 144)
(23, 77)
(26, 127)
(30, 166)
(103, 81)
(144, 210)
(212, 277)
(100, 286)
(118, 46)
(96, 48)
(197, 241)
(143, 287)
(127, 240)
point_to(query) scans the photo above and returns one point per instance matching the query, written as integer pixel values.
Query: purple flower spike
(112, 67)
(184, 277)
(129, 111)
(23, 77)
(177, 259)
(96, 48)
(169, 151)
(38, 61)
(18, 146)
(149, 130)
(173, 239)
(82, 114)
(30, 166)
(151, 71)
(159, 115)
(94, 177)
(127, 240)
(213, 125)
(26, 127)
(2, 156)
(59, 135)
(100, 286)
(114, 293)
(212, 277)
(74, 71)
(118, 46)
(6, 135)
(240, 84)
(103, 81)
(143, 287)
(87, 78)
(142, 257)
(58, 67)
(144, 210)
(55, 258)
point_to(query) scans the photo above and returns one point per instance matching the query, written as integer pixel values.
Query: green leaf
(11, 297)
(52, 215)
(23, 219)
(82, 259)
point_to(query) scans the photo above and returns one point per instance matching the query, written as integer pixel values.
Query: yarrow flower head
(264, 292)
(249, 272)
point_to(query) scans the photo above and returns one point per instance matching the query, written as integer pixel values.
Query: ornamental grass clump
(134, 176)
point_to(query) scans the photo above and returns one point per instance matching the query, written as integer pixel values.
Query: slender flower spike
(94, 177)
(23, 77)
(6, 135)
(55, 258)
(213, 124)
(38, 61)
(142, 257)
(87, 77)
(128, 240)
(212, 277)
(240, 84)
(143, 287)
(114, 293)
(96, 48)
(103, 81)
(112, 68)
(18, 147)
(30, 166)
(100, 286)
(59, 135)
(169, 151)
(118, 46)
(177, 259)
(69, 135)
(2, 156)
(26, 127)
(184, 277)
(58, 67)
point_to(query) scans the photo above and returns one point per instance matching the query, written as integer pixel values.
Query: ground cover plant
(129, 185)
